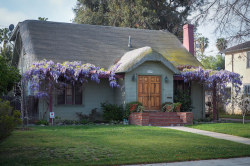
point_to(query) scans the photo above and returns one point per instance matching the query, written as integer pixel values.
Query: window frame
(73, 94)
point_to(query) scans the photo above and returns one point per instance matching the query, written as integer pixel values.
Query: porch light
(133, 77)
(166, 79)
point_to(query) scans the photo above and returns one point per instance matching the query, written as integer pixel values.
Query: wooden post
(214, 102)
(50, 103)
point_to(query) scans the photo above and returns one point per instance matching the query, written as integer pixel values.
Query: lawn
(234, 116)
(111, 145)
(238, 129)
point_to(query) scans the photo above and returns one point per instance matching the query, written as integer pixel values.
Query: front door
(149, 92)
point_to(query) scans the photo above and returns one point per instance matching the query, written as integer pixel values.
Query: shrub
(177, 107)
(185, 99)
(132, 107)
(9, 119)
(42, 122)
(111, 112)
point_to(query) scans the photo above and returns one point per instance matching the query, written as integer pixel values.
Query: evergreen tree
(144, 14)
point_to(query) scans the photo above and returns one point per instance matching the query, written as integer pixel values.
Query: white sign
(52, 115)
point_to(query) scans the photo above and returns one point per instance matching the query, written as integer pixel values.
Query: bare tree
(244, 104)
(230, 18)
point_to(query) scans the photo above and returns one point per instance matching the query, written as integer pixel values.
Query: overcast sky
(14, 11)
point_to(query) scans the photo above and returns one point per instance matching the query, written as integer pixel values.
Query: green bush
(111, 112)
(9, 119)
(128, 108)
(185, 99)
(42, 122)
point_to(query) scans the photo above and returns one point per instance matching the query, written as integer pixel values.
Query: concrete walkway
(212, 134)
(242, 161)
(234, 120)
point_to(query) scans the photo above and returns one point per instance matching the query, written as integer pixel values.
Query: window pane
(69, 97)
(78, 94)
(61, 97)
(69, 90)
(78, 100)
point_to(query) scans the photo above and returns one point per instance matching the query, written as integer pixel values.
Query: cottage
(148, 70)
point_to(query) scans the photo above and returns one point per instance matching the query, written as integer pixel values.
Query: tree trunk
(50, 103)
(243, 120)
(214, 102)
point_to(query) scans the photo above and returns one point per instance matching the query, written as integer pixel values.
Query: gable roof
(99, 45)
(238, 48)
(134, 58)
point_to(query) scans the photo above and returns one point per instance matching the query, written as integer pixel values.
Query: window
(70, 95)
(228, 93)
(248, 59)
(246, 89)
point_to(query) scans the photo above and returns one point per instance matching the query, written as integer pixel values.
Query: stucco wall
(149, 68)
(93, 95)
(198, 100)
(237, 63)
(119, 93)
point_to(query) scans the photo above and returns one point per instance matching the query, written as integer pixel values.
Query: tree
(9, 76)
(229, 17)
(145, 14)
(42, 18)
(221, 44)
(215, 63)
(202, 45)
(6, 48)
(244, 105)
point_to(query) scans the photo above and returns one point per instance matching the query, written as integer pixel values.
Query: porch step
(165, 120)
(161, 119)
(166, 124)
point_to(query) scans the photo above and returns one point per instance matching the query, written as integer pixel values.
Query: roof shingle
(98, 45)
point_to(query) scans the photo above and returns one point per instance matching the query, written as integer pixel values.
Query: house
(149, 61)
(237, 59)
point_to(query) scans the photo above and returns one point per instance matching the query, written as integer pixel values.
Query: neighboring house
(148, 72)
(237, 59)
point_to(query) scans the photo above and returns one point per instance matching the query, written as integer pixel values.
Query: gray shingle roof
(99, 45)
(238, 48)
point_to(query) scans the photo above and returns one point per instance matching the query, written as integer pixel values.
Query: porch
(161, 118)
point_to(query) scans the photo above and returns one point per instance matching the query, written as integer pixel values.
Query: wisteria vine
(58, 74)
(210, 78)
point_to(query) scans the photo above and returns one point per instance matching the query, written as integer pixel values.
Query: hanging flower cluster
(57, 74)
(210, 78)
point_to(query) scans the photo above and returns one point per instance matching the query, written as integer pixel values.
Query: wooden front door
(149, 92)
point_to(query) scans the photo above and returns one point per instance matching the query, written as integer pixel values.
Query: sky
(14, 11)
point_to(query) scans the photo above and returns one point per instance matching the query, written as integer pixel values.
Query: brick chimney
(188, 37)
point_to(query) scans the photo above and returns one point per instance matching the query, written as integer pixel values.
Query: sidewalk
(234, 120)
(212, 134)
(242, 161)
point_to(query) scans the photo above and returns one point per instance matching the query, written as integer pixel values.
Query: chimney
(188, 37)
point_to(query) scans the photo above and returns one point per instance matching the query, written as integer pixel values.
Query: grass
(111, 145)
(238, 129)
(234, 116)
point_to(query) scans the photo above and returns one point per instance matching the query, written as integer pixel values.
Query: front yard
(111, 145)
(238, 129)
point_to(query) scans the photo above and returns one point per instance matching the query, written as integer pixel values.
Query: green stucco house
(148, 72)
